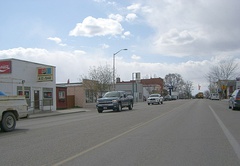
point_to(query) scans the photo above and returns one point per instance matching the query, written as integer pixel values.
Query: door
(36, 99)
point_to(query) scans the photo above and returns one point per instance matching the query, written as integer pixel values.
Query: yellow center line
(109, 140)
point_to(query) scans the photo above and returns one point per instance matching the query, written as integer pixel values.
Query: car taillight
(237, 98)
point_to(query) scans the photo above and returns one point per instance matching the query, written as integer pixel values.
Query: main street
(181, 132)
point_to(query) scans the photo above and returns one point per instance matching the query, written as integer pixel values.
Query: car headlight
(114, 101)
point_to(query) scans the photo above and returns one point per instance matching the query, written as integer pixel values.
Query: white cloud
(134, 7)
(137, 7)
(135, 57)
(79, 52)
(201, 27)
(97, 27)
(57, 40)
(174, 37)
(116, 17)
(71, 65)
(131, 17)
(104, 46)
(126, 34)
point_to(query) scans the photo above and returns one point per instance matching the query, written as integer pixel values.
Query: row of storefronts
(38, 83)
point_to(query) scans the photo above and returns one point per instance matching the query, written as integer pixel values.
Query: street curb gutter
(34, 116)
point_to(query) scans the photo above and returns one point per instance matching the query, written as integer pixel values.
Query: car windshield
(155, 95)
(238, 94)
(112, 94)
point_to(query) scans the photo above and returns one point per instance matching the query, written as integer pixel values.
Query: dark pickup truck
(114, 100)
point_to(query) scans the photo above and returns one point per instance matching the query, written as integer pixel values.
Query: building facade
(36, 81)
(134, 88)
(75, 92)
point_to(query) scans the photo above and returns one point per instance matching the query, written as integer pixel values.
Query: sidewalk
(57, 112)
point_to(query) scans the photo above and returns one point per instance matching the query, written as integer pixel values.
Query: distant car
(234, 101)
(174, 97)
(155, 99)
(167, 98)
(214, 96)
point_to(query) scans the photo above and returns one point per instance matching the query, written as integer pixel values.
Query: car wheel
(148, 103)
(229, 107)
(8, 122)
(130, 106)
(119, 107)
(100, 110)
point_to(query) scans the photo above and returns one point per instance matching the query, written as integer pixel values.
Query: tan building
(77, 91)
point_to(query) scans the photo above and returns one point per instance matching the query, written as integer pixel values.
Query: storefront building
(36, 81)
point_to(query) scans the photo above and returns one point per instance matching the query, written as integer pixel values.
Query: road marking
(110, 140)
(231, 139)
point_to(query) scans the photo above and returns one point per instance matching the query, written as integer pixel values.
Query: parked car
(167, 98)
(234, 101)
(155, 99)
(174, 97)
(214, 96)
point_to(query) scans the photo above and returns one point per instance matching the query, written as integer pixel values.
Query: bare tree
(224, 70)
(187, 87)
(174, 80)
(220, 74)
(99, 80)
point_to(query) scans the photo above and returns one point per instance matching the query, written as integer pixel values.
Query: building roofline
(10, 59)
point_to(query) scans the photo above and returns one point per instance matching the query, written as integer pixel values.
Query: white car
(214, 96)
(155, 99)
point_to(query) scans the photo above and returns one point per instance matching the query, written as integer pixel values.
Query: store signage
(45, 74)
(5, 67)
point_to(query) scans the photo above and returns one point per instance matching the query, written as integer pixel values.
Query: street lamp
(114, 66)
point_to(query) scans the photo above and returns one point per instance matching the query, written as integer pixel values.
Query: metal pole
(133, 86)
(114, 71)
(114, 67)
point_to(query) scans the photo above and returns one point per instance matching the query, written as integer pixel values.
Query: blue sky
(162, 37)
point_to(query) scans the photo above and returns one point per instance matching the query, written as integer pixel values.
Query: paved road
(181, 132)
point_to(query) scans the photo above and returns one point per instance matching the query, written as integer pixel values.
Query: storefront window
(47, 96)
(26, 93)
(61, 95)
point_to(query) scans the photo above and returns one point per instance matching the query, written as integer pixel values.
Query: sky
(161, 36)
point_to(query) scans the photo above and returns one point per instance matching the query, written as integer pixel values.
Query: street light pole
(114, 66)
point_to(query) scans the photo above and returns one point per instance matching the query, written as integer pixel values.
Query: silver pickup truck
(12, 108)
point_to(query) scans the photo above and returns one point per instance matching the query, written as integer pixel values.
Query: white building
(36, 81)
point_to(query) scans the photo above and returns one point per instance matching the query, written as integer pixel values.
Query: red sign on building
(5, 67)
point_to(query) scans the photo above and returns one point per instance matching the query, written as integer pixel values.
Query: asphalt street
(181, 132)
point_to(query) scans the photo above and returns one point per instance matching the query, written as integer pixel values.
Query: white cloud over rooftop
(97, 27)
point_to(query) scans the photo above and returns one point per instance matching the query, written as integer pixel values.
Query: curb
(34, 116)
